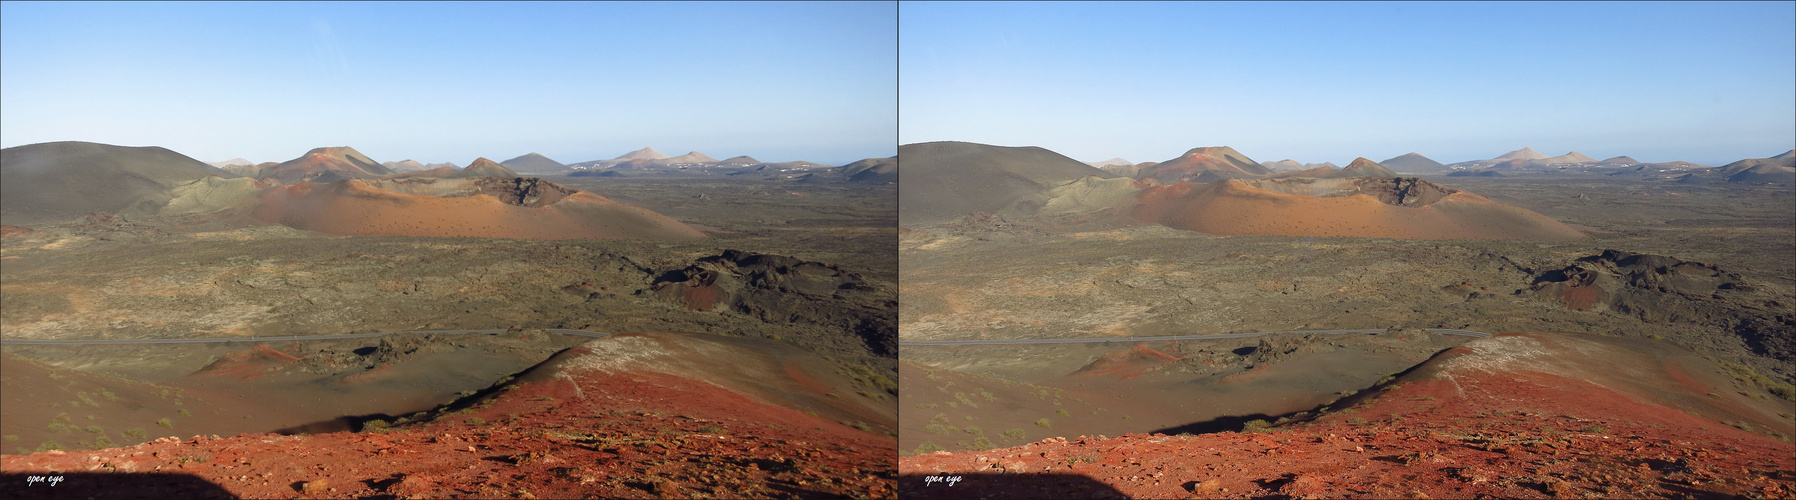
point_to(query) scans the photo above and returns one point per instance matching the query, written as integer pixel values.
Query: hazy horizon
(450, 82)
(1328, 82)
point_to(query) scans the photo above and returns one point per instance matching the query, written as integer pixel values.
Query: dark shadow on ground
(104, 485)
(999, 486)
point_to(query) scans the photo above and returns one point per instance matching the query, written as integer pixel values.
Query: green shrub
(475, 420)
(927, 447)
(165, 423)
(1043, 423)
(1016, 434)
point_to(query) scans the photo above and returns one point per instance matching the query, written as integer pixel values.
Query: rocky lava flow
(1519, 415)
(611, 419)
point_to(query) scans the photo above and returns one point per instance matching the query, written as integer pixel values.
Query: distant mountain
(1123, 170)
(1222, 162)
(642, 154)
(1522, 154)
(740, 160)
(1414, 163)
(441, 165)
(1572, 157)
(1285, 165)
(872, 171)
(483, 167)
(1328, 164)
(233, 161)
(404, 166)
(1780, 169)
(1362, 167)
(326, 165)
(689, 158)
(533, 162)
(942, 181)
(1112, 161)
(53, 179)
(1620, 160)
(1787, 154)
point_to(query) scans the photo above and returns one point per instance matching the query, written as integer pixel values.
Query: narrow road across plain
(282, 338)
(1442, 331)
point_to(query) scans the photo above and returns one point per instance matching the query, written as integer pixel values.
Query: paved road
(1443, 331)
(582, 333)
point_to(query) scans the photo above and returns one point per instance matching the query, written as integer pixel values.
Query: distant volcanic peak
(1287, 165)
(1621, 159)
(1522, 154)
(1786, 154)
(692, 157)
(1221, 161)
(1411, 160)
(531, 157)
(1572, 157)
(233, 161)
(1112, 161)
(741, 160)
(483, 167)
(1362, 167)
(643, 154)
(1327, 164)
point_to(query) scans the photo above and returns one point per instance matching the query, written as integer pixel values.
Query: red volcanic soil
(1236, 207)
(1518, 416)
(11, 231)
(356, 207)
(593, 422)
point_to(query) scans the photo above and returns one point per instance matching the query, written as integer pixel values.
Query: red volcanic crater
(1405, 208)
(524, 208)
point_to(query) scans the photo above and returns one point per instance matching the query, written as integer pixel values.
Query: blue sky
(454, 81)
(1704, 82)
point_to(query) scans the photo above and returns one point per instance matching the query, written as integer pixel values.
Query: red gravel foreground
(1484, 427)
(588, 435)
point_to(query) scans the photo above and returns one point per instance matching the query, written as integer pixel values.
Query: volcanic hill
(1205, 165)
(1285, 165)
(651, 415)
(872, 170)
(1362, 167)
(518, 207)
(66, 179)
(642, 154)
(404, 166)
(1525, 415)
(483, 167)
(945, 180)
(1367, 207)
(1414, 163)
(326, 165)
(532, 163)
(692, 157)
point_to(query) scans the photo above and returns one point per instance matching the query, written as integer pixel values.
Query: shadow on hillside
(999, 486)
(109, 485)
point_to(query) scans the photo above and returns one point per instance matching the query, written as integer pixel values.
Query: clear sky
(454, 81)
(1707, 82)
